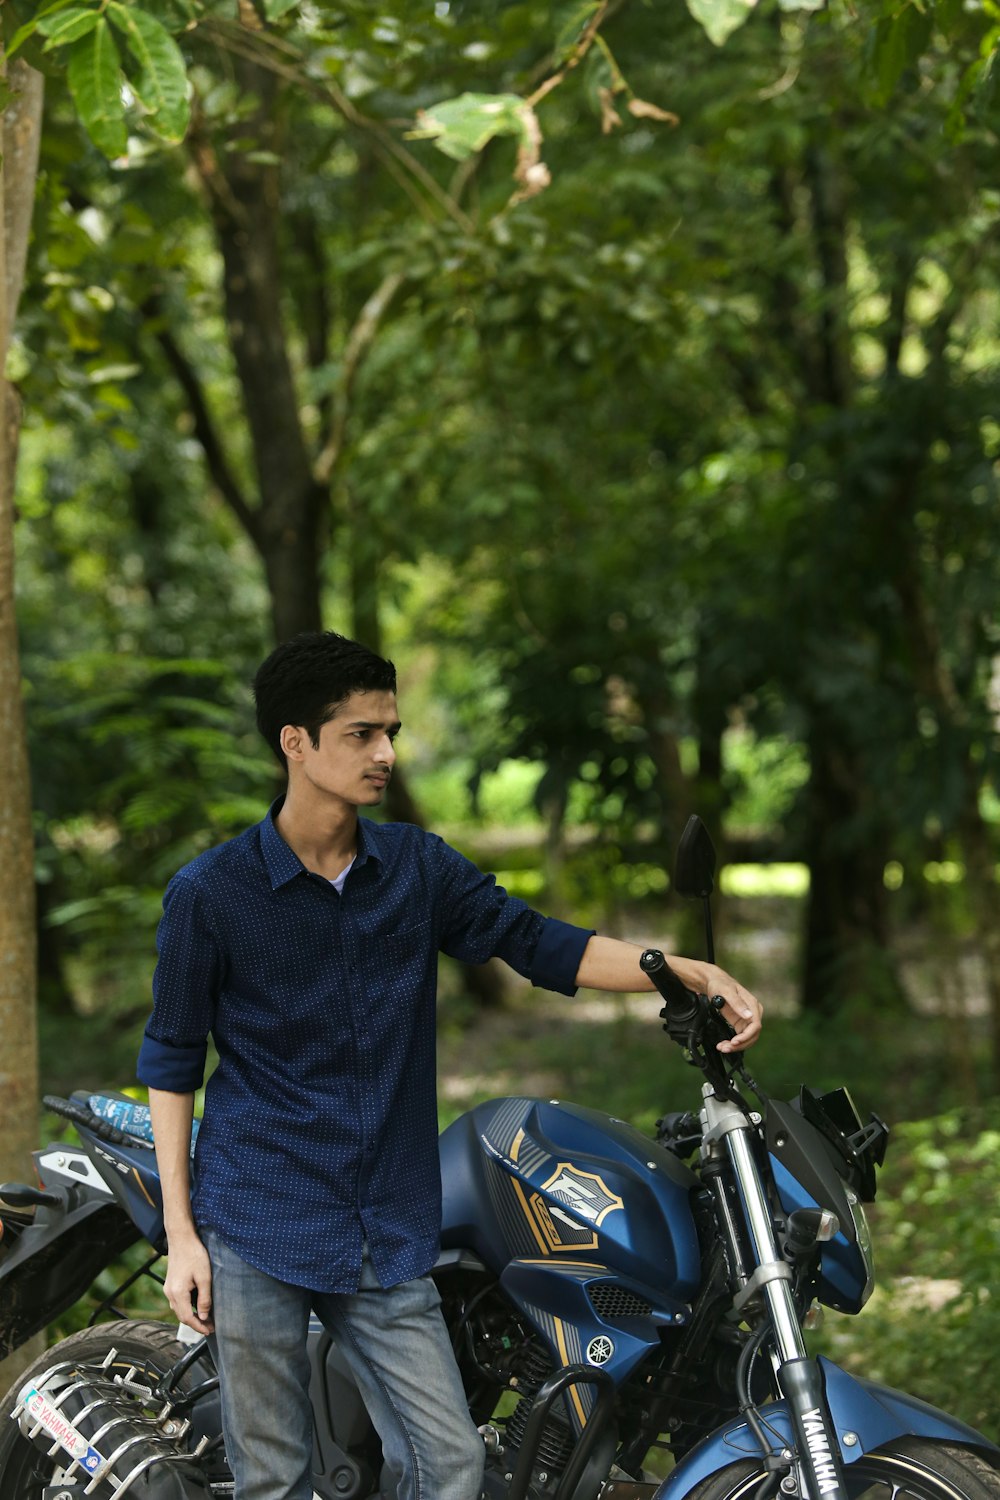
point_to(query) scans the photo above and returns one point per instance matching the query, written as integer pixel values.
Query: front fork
(817, 1460)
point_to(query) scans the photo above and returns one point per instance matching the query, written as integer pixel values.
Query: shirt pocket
(401, 951)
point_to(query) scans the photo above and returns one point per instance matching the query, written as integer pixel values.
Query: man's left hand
(742, 1010)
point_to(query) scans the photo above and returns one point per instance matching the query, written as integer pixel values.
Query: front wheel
(910, 1469)
(150, 1348)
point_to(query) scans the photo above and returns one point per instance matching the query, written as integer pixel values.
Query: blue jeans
(397, 1345)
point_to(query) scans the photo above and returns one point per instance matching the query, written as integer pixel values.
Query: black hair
(305, 680)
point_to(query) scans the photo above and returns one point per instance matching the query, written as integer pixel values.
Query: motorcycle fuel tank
(529, 1178)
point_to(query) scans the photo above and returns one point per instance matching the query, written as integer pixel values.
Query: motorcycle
(607, 1296)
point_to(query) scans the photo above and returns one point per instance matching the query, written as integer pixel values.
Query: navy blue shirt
(320, 1121)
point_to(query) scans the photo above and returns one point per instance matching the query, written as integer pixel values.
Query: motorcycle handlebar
(681, 1003)
(693, 1021)
(77, 1114)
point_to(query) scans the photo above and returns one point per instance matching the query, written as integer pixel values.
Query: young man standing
(308, 947)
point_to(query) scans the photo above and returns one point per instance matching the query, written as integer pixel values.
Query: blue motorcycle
(610, 1298)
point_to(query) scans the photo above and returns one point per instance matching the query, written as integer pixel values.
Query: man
(308, 947)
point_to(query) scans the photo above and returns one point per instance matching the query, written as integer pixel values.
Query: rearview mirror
(695, 866)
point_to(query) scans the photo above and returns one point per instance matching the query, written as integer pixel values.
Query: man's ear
(293, 741)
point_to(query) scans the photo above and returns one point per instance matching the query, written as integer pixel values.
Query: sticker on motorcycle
(584, 1192)
(41, 1414)
(589, 1198)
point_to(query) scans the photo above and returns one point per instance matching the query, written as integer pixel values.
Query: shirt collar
(283, 864)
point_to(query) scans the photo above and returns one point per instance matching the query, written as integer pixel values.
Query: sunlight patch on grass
(765, 880)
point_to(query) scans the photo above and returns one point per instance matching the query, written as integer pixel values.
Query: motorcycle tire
(25, 1471)
(909, 1469)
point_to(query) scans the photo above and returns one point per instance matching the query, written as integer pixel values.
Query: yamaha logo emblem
(600, 1350)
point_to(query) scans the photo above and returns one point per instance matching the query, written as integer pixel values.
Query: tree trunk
(935, 682)
(680, 801)
(19, 1054)
(846, 953)
(846, 950)
(366, 626)
(243, 191)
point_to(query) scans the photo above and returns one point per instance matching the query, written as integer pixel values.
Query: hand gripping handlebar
(682, 1006)
(693, 1021)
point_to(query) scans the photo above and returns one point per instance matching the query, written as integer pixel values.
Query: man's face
(354, 758)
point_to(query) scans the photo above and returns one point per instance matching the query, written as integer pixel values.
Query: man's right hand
(188, 1284)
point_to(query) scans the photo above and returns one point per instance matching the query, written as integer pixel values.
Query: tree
(374, 348)
(818, 332)
(22, 114)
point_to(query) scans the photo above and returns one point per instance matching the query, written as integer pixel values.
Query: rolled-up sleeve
(481, 921)
(185, 989)
(557, 956)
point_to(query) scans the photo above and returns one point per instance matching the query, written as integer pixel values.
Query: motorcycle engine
(97, 1425)
(555, 1446)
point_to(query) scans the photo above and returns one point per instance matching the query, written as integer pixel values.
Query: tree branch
(358, 343)
(204, 426)
(286, 61)
(829, 217)
(579, 52)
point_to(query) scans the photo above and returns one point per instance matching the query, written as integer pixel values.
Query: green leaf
(176, 15)
(461, 127)
(572, 24)
(801, 4)
(25, 32)
(985, 89)
(898, 42)
(66, 26)
(94, 75)
(275, 9)
(162, 83)
(720, 18)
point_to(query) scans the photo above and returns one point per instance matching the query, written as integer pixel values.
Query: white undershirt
(338, 883)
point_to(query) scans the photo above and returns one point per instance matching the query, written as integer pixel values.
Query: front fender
(874, 1414)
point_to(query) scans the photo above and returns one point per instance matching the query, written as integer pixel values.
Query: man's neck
(323, 835)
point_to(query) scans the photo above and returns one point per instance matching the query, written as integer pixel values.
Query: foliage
(111, 50)
(937, 1236)
(142, 741)
(642, 439)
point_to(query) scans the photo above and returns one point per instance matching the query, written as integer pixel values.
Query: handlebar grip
(679, 1000)
(77, 1114)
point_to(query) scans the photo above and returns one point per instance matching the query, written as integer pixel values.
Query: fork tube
(819, 1463)
(772, 1268)
(726, 1125)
